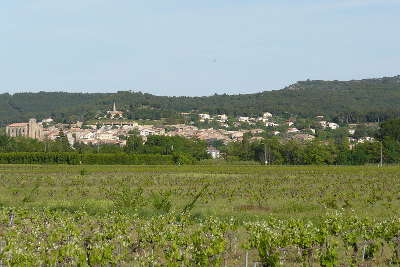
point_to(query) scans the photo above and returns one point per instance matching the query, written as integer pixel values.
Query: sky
(193, 47)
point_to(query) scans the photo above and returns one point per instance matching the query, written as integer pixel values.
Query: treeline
(156, 150)
(74, 158)
(332, 152)
(343, 101)
(273, 151)
(164, 145)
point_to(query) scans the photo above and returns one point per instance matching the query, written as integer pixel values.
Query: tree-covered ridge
(343, 101)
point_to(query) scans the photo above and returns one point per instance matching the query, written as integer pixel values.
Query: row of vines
(33, 237)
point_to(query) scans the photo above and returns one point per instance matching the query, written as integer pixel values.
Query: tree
(391, 150)
(61, 144)
(134, 144)
(390, 128)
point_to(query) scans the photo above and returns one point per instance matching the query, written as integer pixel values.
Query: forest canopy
(341, 101)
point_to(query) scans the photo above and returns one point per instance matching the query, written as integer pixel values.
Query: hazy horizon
(193, 48)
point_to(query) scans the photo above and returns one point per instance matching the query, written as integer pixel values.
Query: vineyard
(60, 215)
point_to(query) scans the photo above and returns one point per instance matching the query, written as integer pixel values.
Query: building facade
(30, 129)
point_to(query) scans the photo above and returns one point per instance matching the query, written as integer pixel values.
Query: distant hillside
(357, 100)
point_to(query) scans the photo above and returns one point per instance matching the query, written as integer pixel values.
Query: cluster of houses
(113, 130)
(223, 119)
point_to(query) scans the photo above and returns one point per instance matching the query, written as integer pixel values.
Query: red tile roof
(20, 124)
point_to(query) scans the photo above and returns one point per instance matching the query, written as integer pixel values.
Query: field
(60, 215)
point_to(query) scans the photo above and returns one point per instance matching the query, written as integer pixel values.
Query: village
(111, 128)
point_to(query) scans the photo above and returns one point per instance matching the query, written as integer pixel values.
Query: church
(30, 129)
(115, 114)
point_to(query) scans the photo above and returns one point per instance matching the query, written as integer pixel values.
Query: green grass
(240, 191)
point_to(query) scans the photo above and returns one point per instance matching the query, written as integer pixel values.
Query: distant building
(243, 119)
(222, 118)
(256, 139)
(271, 124)
(30, 129)
(303, 137)
(293, 130)
(115, 114)
(333, 125)
(256, 131)
(267, 115)
(366, 139)
(213, 152)
(48, 120)
(203, 117)
(237, 134)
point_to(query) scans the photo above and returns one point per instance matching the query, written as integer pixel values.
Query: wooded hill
(343, 101)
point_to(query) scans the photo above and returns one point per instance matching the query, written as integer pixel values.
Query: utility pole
(265, 154)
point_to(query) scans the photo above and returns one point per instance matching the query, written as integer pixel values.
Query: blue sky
(193, 47)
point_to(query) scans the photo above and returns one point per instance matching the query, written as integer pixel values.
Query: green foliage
(363, 130)
(157, 148)
(73, 158)
(83, 172)
(390, 129)
(134, 144)
(180, 159)
(329, 256)
(30, 196)
(345, 101)
(161, 201)
(128, 198)
(190, 205)
(313, 153)
(99, 220)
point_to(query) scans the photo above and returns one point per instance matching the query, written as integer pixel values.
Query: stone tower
(34, 129)
(30, 129)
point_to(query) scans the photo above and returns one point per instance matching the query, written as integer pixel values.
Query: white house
(147, 132)
(88, 135)
(106, 136)
(267, 115)
(293, 130)
(271, 124)
(333, 125)
(366, 139)
(222, 118)
(48, 120)
(204, 116)
(243, 119)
